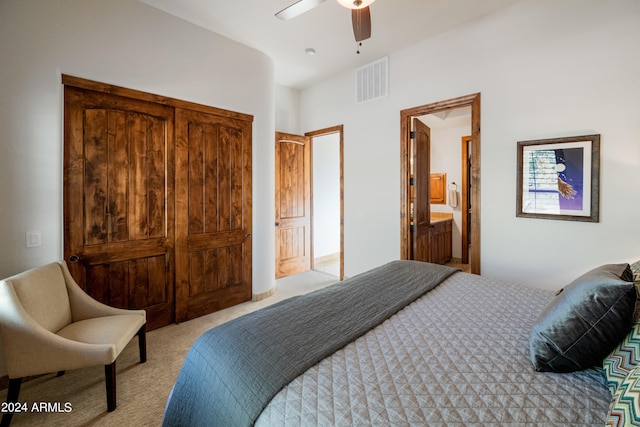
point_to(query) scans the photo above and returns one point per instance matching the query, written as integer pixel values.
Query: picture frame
(559, 178)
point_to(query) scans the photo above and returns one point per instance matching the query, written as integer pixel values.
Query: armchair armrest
(84, 306)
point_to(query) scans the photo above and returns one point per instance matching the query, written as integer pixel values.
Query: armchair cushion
(113, 330)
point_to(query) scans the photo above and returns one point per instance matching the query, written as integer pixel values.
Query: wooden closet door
(119, 202)
(213, 212)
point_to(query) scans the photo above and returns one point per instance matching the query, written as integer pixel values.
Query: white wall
(126, 43)
(326, 195)
(545, 68)
(287, 110)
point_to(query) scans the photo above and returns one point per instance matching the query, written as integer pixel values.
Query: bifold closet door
(157, 201)
(119, 201)
(213, 212)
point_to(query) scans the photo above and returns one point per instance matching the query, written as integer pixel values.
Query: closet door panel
(213, 220)
(118, 201)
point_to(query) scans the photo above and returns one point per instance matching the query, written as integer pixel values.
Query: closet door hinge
(412, 134)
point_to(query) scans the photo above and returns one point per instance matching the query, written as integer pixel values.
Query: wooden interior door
(213, 212)
(465, 199)
(119, 201)
(293, 204)
(421, 200)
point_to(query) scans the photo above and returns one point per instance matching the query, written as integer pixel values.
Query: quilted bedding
(456, 356)
(233, 370)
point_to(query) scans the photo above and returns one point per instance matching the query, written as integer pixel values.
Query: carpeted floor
(142, 389)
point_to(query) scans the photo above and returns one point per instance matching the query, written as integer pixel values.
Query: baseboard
(327, 258)
(263, 295)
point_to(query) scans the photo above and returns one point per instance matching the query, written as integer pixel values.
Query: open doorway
(466, 177)
(297, 226)
(448, 165)
(327, 201)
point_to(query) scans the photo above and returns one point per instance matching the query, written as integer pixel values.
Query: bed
(407, 343)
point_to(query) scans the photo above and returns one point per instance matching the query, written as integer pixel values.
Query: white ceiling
(448, 118)
(327, 28)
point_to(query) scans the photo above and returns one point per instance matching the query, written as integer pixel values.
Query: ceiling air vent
(372, 81)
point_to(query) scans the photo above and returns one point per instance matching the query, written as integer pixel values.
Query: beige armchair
(49, 324)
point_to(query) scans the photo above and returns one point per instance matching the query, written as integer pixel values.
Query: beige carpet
(142, 389)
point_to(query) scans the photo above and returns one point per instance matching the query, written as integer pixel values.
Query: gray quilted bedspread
(232, 371)
(456, 356)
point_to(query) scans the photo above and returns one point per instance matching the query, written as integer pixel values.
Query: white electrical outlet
(34, 239)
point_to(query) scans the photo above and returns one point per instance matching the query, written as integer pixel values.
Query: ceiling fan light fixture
(355, 4)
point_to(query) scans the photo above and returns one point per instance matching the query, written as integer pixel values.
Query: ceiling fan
(360, 14)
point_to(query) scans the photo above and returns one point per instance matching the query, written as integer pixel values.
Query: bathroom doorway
(472, 199)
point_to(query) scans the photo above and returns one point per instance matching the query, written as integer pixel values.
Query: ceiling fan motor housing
(355, 4)
(360, 14)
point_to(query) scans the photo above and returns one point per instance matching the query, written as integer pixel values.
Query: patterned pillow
(635, 270)
(625, 407)
(623, 359)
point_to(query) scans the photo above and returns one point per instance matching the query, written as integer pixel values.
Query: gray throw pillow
(585, 321)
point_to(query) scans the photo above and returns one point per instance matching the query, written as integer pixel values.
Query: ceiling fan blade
(361, 19)
(298, 8)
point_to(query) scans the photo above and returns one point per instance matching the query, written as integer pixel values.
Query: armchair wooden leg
(12, 396)
(110, 379)
(142, 343)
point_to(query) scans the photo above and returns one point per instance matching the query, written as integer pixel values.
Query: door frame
(339, 129)
(406, 115)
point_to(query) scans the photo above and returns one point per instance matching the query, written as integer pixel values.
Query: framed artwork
(559, 178)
